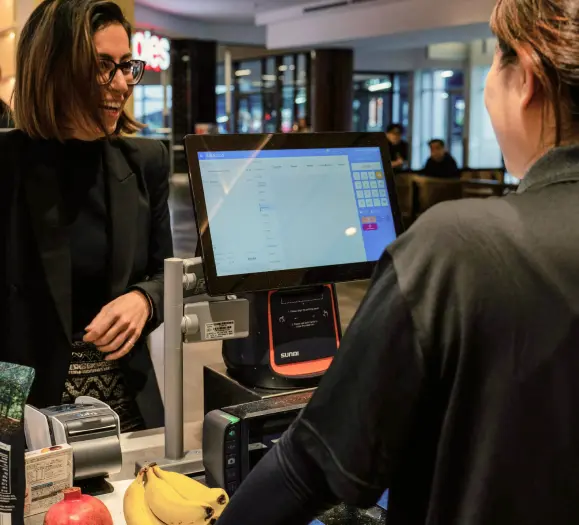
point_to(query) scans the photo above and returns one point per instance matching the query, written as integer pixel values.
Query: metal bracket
(216, 320)
(210, 319)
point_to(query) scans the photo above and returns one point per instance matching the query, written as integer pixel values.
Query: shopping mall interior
(294, 66)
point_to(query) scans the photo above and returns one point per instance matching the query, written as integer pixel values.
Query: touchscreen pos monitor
(288, 210)
(282, 218)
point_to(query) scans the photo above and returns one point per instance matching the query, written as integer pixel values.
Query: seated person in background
(398, 147)
(440, 164)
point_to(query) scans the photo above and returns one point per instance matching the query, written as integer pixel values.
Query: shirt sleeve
(359, 419)
(395, 365)
(285, 488)
(351, 439)
(161, 241)
(337, 450)
(454, 166)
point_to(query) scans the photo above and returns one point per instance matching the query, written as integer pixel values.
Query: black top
(5, 116)
(36, 252)
(444, 169)
(456, 385)
(399, 150)
(85, 202)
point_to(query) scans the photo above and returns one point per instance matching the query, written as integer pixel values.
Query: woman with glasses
(84, 216)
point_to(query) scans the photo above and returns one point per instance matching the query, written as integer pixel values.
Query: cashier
(457, 384)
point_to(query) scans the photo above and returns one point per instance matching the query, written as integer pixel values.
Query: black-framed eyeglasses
(132, 70)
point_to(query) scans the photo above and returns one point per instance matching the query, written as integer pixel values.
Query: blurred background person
(441, 164)
(398, 147)
(301, 126)
(88, 223)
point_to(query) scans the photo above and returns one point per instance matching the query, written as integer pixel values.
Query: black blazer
(35, 272)
(5, 116)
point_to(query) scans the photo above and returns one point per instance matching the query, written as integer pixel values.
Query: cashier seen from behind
(457, 384)
(84, 220)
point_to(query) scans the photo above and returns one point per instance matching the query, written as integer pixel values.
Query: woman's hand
(119, 324)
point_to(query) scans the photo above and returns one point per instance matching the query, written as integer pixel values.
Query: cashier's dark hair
(57, 68)
(549, 29)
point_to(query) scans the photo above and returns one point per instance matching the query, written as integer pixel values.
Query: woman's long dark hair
(57, 67)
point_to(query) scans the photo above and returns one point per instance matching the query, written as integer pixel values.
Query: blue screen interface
(272, 210)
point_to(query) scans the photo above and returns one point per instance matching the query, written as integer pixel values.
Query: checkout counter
(281, 218)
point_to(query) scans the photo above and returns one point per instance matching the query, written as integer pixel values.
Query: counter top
(149, 445)
(143, 446)
(113, 501)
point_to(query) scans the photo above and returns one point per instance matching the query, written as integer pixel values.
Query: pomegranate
(78, 509)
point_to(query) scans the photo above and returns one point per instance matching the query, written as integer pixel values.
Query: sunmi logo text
(287, 355)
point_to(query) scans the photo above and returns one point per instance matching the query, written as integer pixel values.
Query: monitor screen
(271, 211)
(285, 209)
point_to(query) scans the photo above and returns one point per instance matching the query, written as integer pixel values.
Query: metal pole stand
(206, 319)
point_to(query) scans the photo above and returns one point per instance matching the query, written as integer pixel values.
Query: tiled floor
(198, 355)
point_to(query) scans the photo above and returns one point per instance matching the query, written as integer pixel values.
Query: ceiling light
(243, 72)
(383, 86)
(447, 74)
(283, 68)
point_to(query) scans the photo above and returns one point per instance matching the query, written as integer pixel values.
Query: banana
(170, 507)
(218, 499)
(193, 490)
(135, 507)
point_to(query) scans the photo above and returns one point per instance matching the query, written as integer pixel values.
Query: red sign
(153, 49)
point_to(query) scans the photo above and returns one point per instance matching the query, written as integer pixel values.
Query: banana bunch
(159, 497)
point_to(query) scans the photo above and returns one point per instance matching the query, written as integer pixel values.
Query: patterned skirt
(90, 375)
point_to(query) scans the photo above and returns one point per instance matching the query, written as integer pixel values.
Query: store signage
(153, 49)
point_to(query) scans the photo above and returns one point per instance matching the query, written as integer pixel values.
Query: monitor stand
(294, 336)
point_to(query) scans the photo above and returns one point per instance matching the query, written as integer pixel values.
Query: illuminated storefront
(381, 99)
(269, 94)
(439, 113)
(153, 96)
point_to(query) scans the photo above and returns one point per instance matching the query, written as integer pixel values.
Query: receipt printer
(89, 426)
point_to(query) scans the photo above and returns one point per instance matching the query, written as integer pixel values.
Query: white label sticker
(219, 330)
(5, 481)
(5, 519)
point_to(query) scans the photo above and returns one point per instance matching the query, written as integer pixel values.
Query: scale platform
(220, 389)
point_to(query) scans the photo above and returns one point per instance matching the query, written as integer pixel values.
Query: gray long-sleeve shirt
(456, 385)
